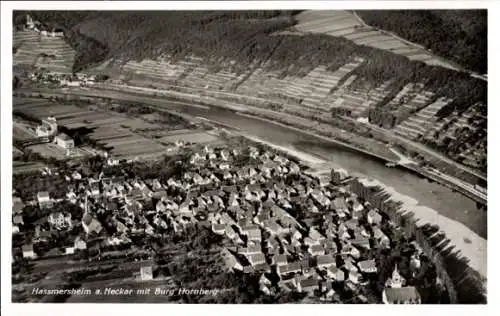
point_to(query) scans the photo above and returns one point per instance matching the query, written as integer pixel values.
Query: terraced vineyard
(320, 92)
(422, 122)
(462, 136)
(51, 53)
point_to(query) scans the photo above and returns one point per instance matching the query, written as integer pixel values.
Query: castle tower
(29, 22)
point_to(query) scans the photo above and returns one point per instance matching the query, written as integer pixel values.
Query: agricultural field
(119, 133)
(49, 150)
(347, 24)
(26, 167)
(22, 131)
(189, 136)
(51, 53)
(16, 152)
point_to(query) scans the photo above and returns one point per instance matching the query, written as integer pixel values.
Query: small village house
(146, 273)
(367, 266)
(28, 252)
(373, 217)
(325, 261)
(43, 197)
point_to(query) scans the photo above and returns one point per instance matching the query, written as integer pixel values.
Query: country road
(423, 148)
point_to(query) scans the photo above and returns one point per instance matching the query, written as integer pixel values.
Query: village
(47, 77)
(278, 221)
(214, 162)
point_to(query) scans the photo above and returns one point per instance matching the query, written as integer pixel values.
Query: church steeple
(397, 280)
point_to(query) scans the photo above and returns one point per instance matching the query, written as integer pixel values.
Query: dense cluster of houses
(315, 254)
(276, 219)
(63, 79)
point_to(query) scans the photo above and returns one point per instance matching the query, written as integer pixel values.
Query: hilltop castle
(42, 29)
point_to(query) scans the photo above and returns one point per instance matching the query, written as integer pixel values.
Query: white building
(29, 22)
(146, 273)
(64, 141)
(73, 84)
(43, 197)
(47, 128)
(42, 131)
(28, 251)
(56, 33)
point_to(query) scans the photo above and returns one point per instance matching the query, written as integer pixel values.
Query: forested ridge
(460, 35)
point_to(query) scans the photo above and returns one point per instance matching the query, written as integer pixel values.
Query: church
(396, 293)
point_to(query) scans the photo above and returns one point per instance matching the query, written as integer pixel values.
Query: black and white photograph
(245, 156)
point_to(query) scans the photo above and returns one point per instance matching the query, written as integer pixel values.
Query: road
(423, 148)
(465, 186)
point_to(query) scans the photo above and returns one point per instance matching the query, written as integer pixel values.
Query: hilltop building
(42, 29)
(56, 33)
(30, 24)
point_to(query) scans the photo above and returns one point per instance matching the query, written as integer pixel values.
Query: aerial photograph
(249, 156)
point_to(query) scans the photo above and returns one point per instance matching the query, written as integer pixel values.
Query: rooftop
(401, 295)
(63, 136)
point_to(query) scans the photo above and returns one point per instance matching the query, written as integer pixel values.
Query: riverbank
(394, 158)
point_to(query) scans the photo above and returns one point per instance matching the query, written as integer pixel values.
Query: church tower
(397, 279)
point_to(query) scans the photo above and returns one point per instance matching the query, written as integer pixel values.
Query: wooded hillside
(461, 35)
